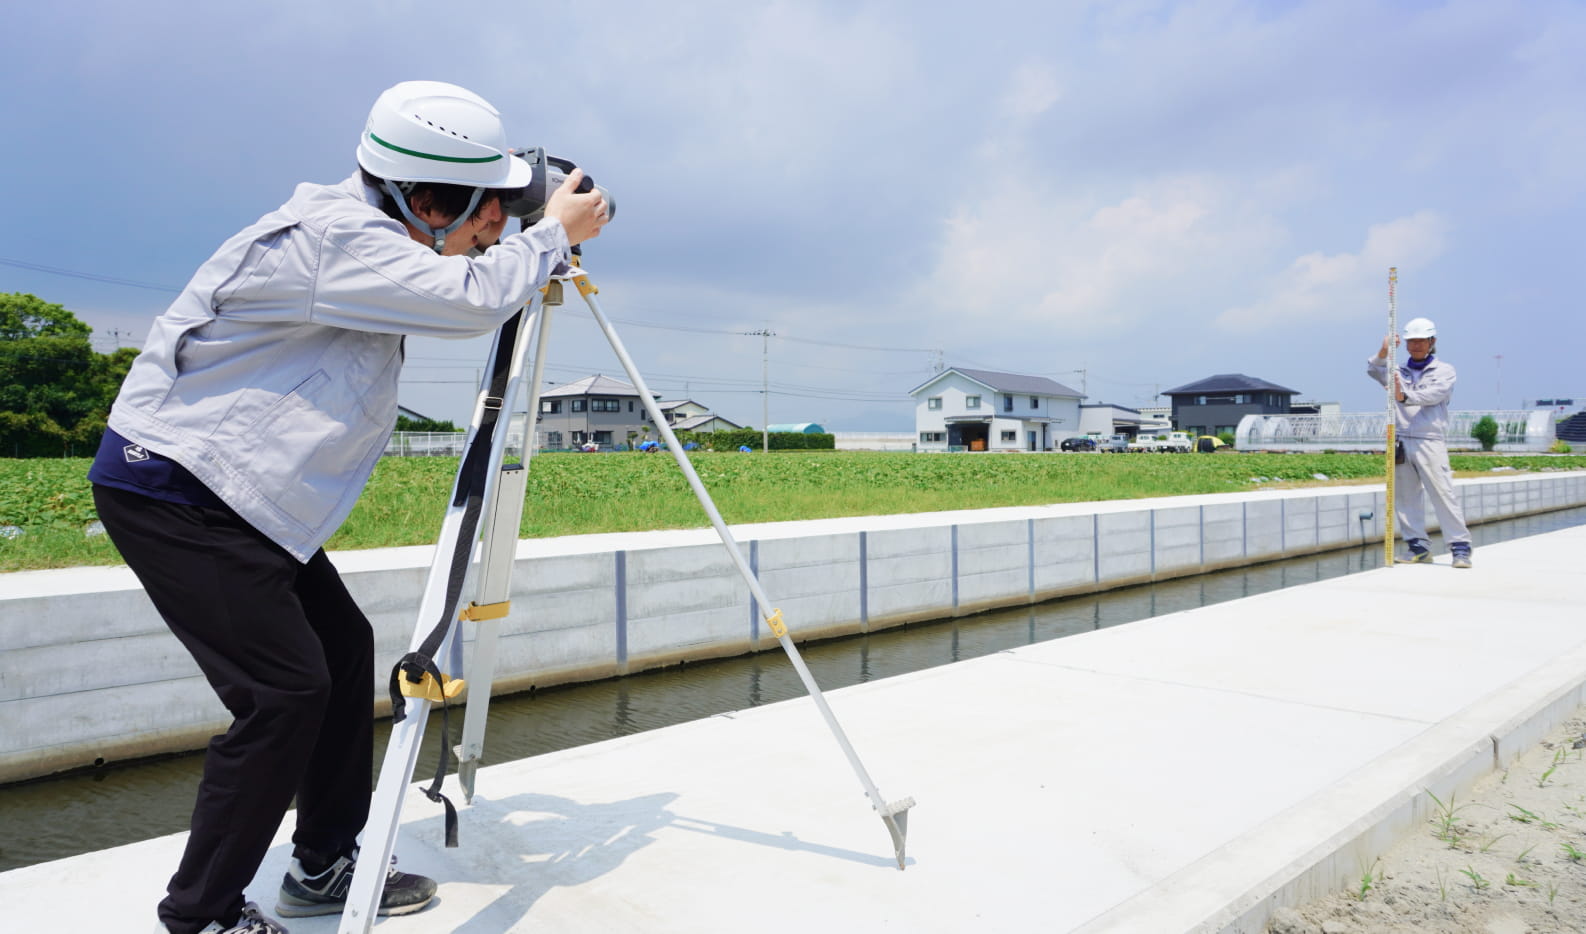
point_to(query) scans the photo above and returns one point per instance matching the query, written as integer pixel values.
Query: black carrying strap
(472, 476)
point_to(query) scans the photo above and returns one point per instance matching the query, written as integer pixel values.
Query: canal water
(81, 812)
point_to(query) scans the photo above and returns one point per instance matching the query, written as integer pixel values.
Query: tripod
(486, 489)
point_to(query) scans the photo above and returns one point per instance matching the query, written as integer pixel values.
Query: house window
(1035, 402)
(1007, 403)
(553, 439)
(933, 437)
(602, 437)
(578, 405)
(605, 405)
(578, 437)
(1010, 436)
(630, 406)
(933, 403)
(971, 402)
(551, 406)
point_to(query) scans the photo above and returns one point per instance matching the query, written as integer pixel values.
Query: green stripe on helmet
(427, 155)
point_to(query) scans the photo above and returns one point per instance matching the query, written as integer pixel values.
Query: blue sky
(1148, 192)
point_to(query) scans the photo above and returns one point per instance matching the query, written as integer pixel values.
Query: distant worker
(1422, 388)
(241, 439)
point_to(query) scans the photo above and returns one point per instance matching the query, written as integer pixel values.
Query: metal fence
(438, 444)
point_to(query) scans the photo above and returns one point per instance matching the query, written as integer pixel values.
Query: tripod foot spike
(896, 817)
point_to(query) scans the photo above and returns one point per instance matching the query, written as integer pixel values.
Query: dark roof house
(1215, 404)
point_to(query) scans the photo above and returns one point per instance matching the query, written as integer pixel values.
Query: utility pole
(765, 335)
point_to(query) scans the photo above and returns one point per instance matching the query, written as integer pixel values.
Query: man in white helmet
(240, 441)
(1422, 387)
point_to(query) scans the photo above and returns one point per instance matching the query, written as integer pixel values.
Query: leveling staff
(243, 435)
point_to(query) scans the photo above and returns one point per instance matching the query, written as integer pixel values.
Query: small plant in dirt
(1476, 880)
(1560, 756)
(1572, 853)
(1526, 816)
(1446, 820)
(1369, 877)
(1513, 880)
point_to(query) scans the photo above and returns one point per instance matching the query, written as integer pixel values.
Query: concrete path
(1183, 773)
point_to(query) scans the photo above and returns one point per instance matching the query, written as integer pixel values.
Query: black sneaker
(253, 921)
(1461, 556)
(326, 892)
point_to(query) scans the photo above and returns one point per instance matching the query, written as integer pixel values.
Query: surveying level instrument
(486, 508)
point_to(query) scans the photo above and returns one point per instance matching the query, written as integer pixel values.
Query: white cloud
(1036, 258)
(1318, 287)
(1032, 91)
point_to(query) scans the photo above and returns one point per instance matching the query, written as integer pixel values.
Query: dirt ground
(1508, 859)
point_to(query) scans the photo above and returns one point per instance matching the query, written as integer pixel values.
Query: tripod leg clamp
(429, 689)
(477, 612)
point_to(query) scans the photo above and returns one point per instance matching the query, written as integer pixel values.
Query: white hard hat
(431, 131)
(1419, 328)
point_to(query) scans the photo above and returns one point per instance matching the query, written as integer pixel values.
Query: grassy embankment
(569, 494)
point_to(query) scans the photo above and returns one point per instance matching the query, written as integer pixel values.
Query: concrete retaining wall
(89, 673)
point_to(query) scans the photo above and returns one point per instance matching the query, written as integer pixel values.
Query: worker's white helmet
(431, 131)
(1419, 328)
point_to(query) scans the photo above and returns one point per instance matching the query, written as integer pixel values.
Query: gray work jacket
(273, 377)
(1424, 412)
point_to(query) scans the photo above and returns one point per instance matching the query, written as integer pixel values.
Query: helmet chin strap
(399, 190)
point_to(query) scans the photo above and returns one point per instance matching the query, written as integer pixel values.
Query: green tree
(55, 390)
(1486, 431)
(403, 423)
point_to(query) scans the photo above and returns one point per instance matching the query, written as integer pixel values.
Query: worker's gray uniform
(1422, 425)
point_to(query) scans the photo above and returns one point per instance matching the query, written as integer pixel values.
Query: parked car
(1176, 442)
(1113, 444)
(1082, 443)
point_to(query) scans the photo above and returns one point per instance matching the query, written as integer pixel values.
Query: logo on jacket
(134, 453)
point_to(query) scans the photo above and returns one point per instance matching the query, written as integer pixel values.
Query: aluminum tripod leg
(500, 538)
(498, 388)
(894, 814)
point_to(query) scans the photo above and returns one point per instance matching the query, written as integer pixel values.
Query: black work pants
(292, 658)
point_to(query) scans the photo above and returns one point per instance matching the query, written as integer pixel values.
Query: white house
(1105, 419)
(979, 410)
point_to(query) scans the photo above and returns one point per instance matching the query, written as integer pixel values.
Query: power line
(74, 274)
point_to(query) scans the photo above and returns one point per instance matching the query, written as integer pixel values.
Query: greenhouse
(1529, 430)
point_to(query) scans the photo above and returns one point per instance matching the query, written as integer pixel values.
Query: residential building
(1105, 419)
(1154, 418)
(1297, 407)
(982, 410)
(596, 409)
(704, 423)
(688, 415)
(1215, 404)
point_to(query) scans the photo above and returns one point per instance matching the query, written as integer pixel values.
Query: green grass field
(571, 494)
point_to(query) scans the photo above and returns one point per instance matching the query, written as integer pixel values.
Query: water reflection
(62, 817)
